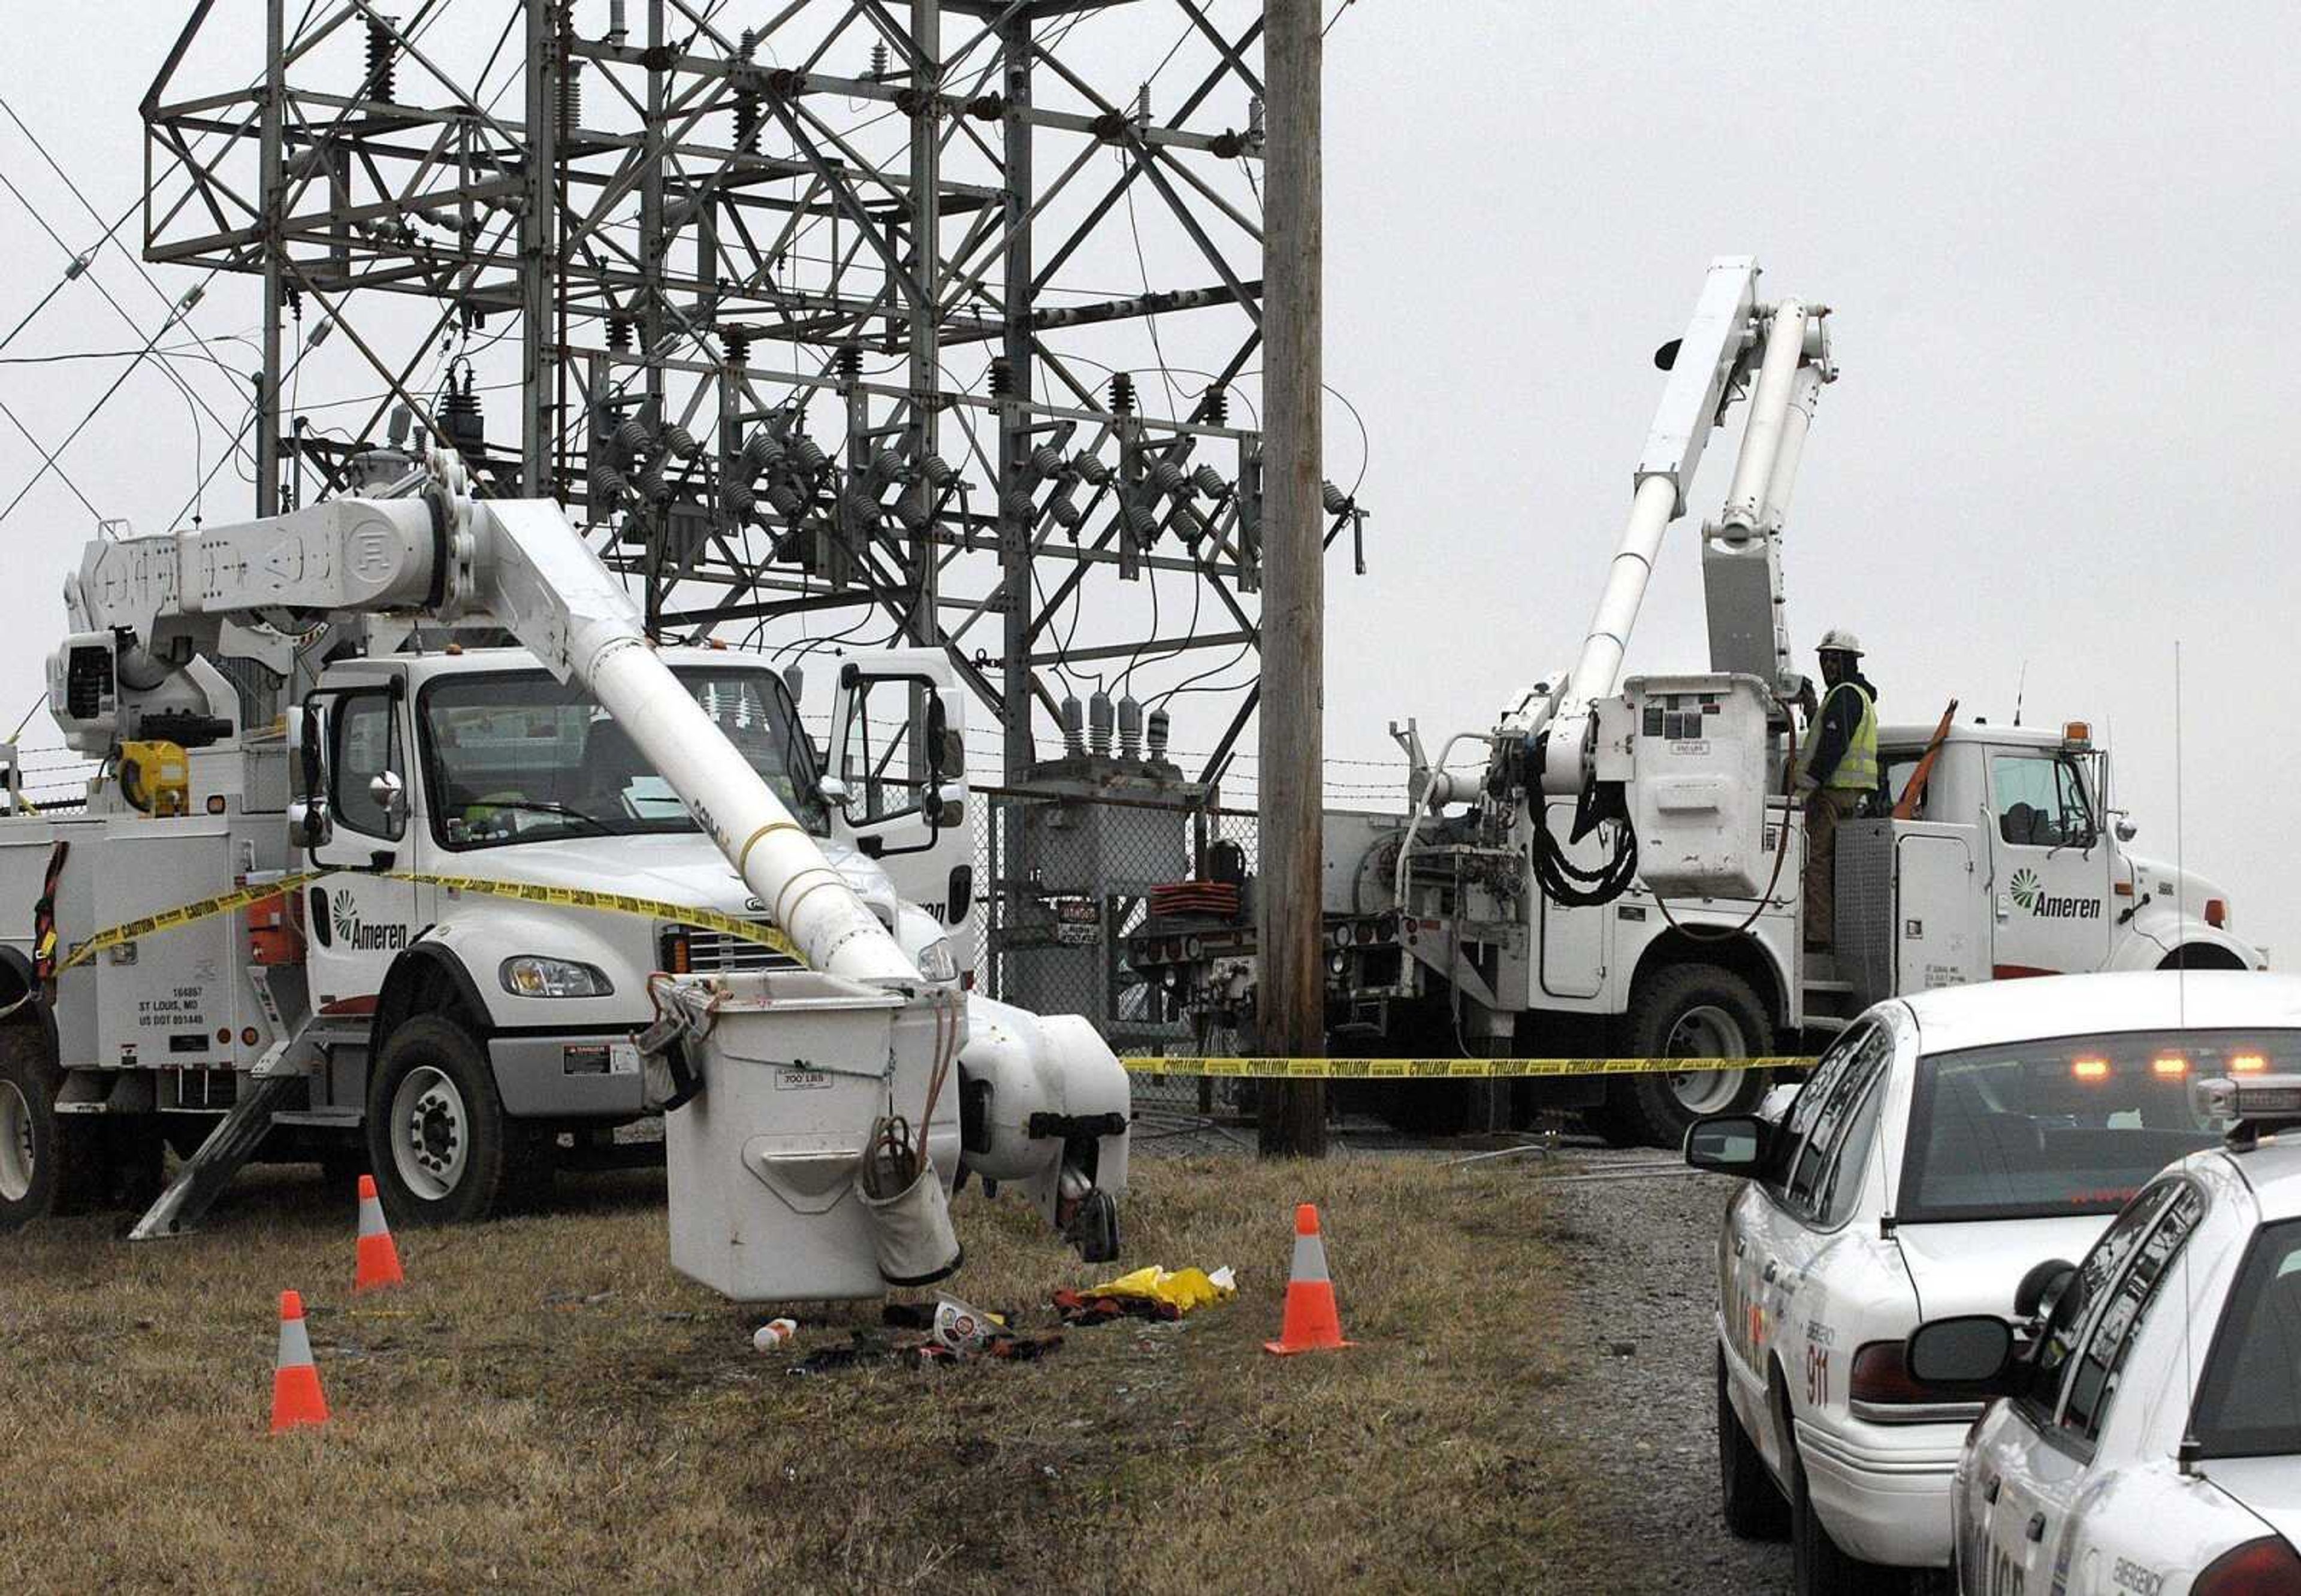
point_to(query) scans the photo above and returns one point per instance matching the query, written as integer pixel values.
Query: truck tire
(438, 1142)
(48, 1161)
(1690, 1011)
(1748, 1499)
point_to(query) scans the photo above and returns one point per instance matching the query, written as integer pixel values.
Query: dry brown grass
(502, 1421)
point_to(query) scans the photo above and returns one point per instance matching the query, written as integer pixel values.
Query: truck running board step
(230, 1145)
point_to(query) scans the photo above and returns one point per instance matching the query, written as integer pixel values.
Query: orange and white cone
(1312, 1323)
(379, 1255)
(295, 1399)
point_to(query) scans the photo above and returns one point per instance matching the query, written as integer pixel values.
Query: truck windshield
(2249, 1403)
(2066, 1125)
(519, 757)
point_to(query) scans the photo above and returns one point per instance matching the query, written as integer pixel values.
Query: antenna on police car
(2180, 879)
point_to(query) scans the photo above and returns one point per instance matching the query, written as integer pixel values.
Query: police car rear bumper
(1882, 1491)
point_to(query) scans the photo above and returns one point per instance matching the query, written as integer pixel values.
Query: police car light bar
(2253, 1105)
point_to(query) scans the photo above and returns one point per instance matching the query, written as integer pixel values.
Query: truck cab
(482, 875)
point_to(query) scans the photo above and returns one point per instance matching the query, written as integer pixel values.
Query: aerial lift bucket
(783, 1077)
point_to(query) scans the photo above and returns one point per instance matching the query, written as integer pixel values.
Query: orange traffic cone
(295, 1399)
(379, 1257)
(1312, 1323)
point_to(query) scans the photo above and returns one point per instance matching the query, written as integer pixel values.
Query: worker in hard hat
(1837, 769)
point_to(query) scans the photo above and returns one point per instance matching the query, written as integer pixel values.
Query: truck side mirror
(309, 824)
(391, 795)
(833, 791)
(311, 746)
(940, 739)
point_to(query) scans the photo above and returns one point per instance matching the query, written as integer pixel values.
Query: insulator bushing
(1167, 477)
(1130, 728)
(1209, 482)
(631, 437)
(1065, 509)
(677, 441)
(606, 484)
(1215, 407)
(879, 60)
(938, 471)
(619, 334)
(653, 486)
(1046, 460)
(785, 499)
(914, 510)
(1000, 378)
(1019, 505)
(848, 361)
(1157, 734)
(738, 497)
(1089, 468)
(1335, 500)
(1122, 393)
(1098, 718)
(1142, 523)
(1074, 726)
(761, 453)
(806, 457)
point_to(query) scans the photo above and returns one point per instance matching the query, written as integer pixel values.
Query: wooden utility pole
(1293, 1012)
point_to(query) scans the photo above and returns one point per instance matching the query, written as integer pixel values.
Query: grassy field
(547, 1405)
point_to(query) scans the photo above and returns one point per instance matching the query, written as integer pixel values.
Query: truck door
(360, 921)
(898, 767)
(2050, 865)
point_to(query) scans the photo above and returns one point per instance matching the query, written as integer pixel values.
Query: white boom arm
(520, 563)
(1729, 332)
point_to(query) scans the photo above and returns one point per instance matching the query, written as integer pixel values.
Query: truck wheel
(1748, 1499)
(47, 1160)
(1692, 1011)
(438, 1141)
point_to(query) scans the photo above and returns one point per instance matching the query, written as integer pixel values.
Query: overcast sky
(2060, 248)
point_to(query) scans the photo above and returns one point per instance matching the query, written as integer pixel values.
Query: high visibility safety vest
(1857, 771)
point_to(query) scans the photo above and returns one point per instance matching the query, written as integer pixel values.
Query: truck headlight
(533, 975)
(937, 962)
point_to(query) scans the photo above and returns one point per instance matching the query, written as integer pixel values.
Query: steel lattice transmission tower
(798, 293)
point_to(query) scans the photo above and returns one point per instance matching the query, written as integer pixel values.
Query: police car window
(1842, 1096)
(2064, 1125)
(2040, 801)
(2090, 1383)
(2073, 1311)
(1841, 1186)
(2249, 1401)
(1807, 1106)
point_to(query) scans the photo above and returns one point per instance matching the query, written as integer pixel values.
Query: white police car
(1947, 1144)
(2152, 1441)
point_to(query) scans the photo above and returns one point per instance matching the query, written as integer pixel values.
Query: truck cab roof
(1908, 735)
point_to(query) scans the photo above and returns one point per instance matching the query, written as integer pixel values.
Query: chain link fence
(1064, 877)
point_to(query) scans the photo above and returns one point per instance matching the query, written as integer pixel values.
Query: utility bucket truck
(414, 924)
(1623, 875)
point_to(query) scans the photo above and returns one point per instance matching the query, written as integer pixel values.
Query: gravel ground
(1640, 1397)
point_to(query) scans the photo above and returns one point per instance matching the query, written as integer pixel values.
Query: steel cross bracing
(794, 298)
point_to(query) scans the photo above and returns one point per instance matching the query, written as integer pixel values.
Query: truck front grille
(715, 952)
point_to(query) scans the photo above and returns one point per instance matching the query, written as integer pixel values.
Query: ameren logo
(358, 937)
(2031, 895)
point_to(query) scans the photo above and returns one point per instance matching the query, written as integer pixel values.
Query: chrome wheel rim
(16, 1162)
(430, 1134)
(1705, 1032)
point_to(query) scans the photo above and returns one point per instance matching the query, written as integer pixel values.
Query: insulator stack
(1157, 734)
(382, 60)
(1074, 726)
(570, 95)
(1336, 501)
(1122, 393)
(879, 61)
(460, 417)
(619, 334)
(1209, 482)
(848, 361)
(735, 342)
(1130, 728)
(1000, 380)
(1215, 407)
(678, 441)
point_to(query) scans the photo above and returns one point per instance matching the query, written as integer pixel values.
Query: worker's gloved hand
(1805, 699)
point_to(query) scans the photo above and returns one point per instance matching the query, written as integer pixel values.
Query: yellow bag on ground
(1184, 1288)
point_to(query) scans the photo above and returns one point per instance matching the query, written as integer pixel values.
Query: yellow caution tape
(575, 898)
(1447, 1069)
